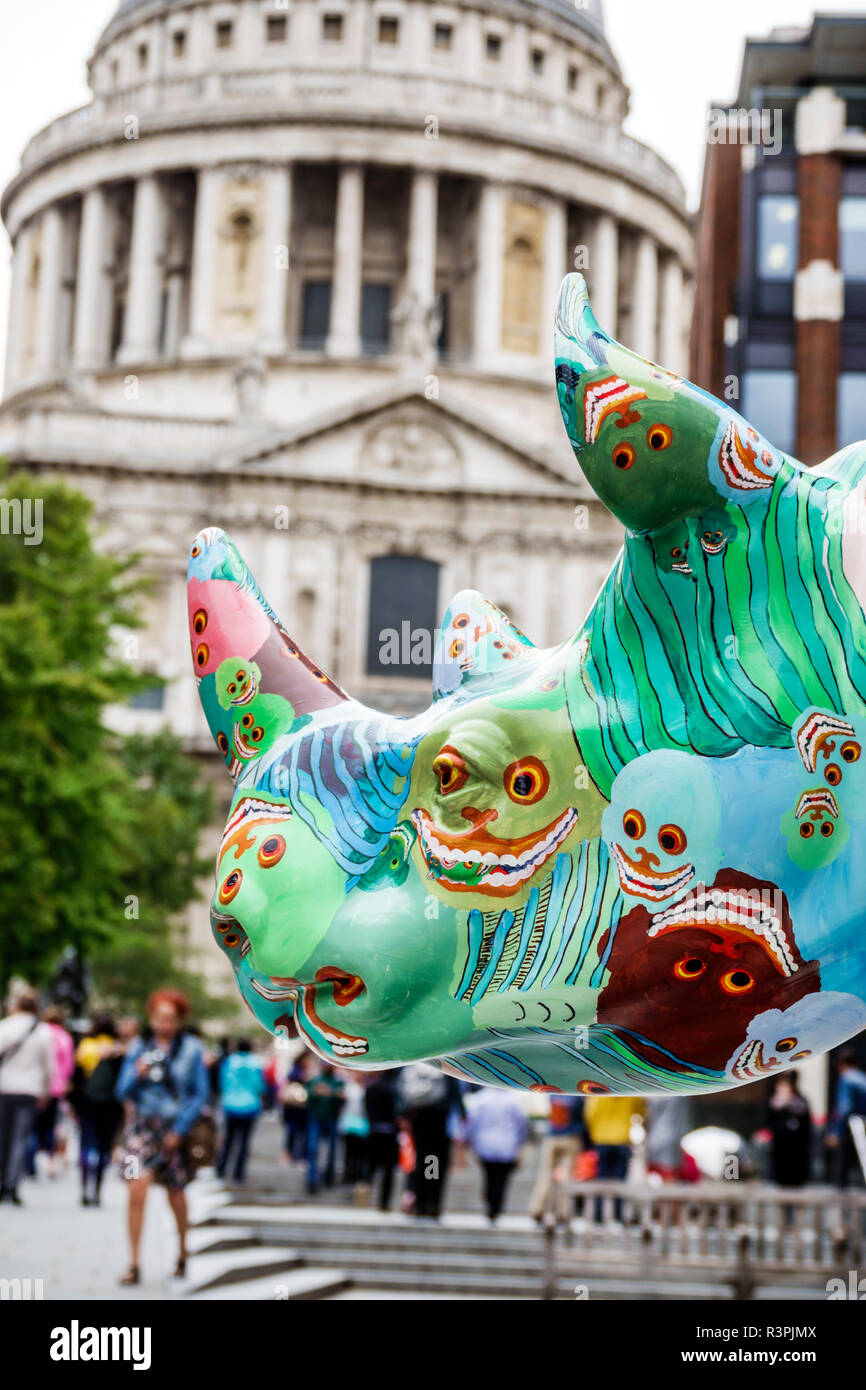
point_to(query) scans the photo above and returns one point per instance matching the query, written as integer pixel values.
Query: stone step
(215, 1268)
(289, 1285)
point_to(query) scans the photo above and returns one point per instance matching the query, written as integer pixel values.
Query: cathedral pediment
(402, 440)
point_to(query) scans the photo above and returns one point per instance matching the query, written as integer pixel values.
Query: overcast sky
(677, 57)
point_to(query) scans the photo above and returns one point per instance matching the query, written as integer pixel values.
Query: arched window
(404, 602)
(523, 278)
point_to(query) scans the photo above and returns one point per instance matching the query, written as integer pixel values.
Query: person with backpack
(242, 1088)
(100, 1113)
(427, 1098)
(380, 1105)
(26, 1070)
(165, 1081)
(850, 1100)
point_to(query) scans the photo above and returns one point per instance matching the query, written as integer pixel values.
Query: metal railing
(739, 1233)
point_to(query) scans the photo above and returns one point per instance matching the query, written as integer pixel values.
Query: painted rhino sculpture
(633, 863)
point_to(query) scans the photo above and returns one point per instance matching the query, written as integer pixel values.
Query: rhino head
(552, 878)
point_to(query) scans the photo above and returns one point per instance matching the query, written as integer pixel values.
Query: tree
(88, 820)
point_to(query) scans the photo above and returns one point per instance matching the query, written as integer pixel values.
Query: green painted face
(816, 830)
(495, 795)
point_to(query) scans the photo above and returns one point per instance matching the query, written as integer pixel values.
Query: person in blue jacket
(163, 1084)
(242, 1088)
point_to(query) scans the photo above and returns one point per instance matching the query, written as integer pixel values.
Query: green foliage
(89, 821)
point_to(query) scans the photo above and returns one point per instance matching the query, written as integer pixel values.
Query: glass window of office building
(778, 226)
(852, 237)
(770, 404)
(851, 408)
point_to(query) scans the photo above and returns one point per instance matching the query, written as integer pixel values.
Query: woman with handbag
(164, 1082)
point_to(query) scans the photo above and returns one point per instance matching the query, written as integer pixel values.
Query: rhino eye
(526, 781)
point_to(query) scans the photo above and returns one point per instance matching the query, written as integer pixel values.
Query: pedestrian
(789, 1121)
(850, 1100)
(100, 1113)
(355, 1129)
(165, 1080)
(669, 1120)
(27, 1063)
(427, 1097)
(242, 1088)
(564, 1141)
(292, 1098)
(324, 1100)
(44, 1136)
(497, 1130)
(608, 1123)
(380, 1104)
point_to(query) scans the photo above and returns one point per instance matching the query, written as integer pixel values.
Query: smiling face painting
(633, 863)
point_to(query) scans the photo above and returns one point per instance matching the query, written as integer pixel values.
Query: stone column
(91, 337)
(555, 266)
(671, 327)
(20, 262)
(603, 271)
(50, 276)
(344, 338)
(645, 297)
(423, 208)
(489, 272)
(203, 271)
(275, 276)
(144, 302)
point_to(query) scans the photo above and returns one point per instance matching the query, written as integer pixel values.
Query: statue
(633, 863)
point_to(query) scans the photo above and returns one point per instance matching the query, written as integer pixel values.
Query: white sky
(677, 57)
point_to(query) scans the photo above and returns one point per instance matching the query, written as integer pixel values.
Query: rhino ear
(476, 646)
(254, 681)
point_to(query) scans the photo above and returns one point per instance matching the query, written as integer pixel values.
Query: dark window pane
(778, 221)
(852, 237)
(770, 404)
(151, 698)
(375, 318)
(851, 421)
(404, 597)
(316, 314)
(277, 28)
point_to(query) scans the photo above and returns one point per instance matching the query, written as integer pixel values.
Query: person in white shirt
(26, 1068)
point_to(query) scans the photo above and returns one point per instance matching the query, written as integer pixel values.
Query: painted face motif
(662, 826)
(492, 808)
(625, 865)
(778, 1038)
(710, 963)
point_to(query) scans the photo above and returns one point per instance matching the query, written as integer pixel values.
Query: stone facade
(292, 272)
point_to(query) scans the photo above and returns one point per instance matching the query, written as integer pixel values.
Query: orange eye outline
(682, 973)
(827, 829)
(833, 774)
(269, 857)
(196, 550)
(807, 830)
(319, 675)
(626, 453)
(639, 825)
(202, 654)
(231, 886)
(677, 835)
(462, 620)
(199, 621)
(801, 1056)
(257, 734)
(248, 719)
(731, 987)
(677, 552)
(592, 1088)
(457, 648)
(786, 1044)
(231, 940)
(534, 769)
(663, 434)
(222, 743)
(850, 751)
(451, 770)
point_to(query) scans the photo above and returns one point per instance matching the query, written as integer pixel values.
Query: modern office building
(780, 306)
